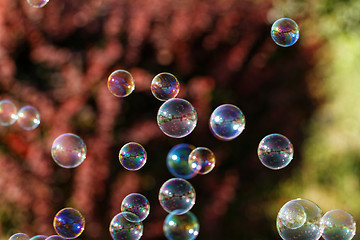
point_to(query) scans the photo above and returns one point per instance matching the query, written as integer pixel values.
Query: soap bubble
(132, 156)
(285, 32)
(68, 150)
(121, 83)
(177, 161)
(177, 196)
(177, 118)
(28, 118)
(55, 237)
(227, 122)
(311, 229)
(39, 237)
(202, 160)
(8, 113)
(120, 228)
(165, 86)
(137, 204)
(292, 215)
(37, 3)
(181, 227)
(338, 225)
(275, 151)
(69, 223)
(19, 236)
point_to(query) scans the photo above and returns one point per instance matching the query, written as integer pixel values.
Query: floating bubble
(285, 32)
(292, 215)
(227, 122)
(275, 151)
(55, 237)
(137, 204)
(165, 86)
(19, 236)
(69, 223)
(177, 118)
(37, 3)
(177, 196)
(177, 161)
(28, 118)
(311, 229)
(8, 113)
(338, 225)
(132, 156)
(39, 237)
(68, 150)
(202, 160)
(121, 228)
(181, 227)
(121, 83)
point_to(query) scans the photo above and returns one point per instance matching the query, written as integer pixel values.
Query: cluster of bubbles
(28, 117)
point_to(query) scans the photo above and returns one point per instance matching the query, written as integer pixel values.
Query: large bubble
(181, 227)
(338, 225)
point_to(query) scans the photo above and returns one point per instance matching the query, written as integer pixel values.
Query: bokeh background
(58, 59)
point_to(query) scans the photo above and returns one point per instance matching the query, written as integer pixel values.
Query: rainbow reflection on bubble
(55, 237)
(137, 204)
(338, 225)
(177, 161)
(8, 113)
(39, 237)
(69, 223)
(285, 32)
(121, 83)
(132, 156)
(165, 86)
(19, 236)
(202, 160)
(181, 227)
(37, 3)
(121, 228)
(28, 118)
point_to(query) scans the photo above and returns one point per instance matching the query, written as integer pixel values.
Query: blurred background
(58, 58)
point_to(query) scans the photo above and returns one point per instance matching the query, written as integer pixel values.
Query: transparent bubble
(39, 237)
(181, 227)
(69, 223)
(275, 151)
(338, 225)
(55, 237)
(285, 32)
(132, 156)
(120, 228)
(165, 86)
(227, 122)
(37, 3)
(8, 113)
(310, 230)
(177, 118)
(202, 160)
(137, 204)
(28, 118)
(19, 236)
(68, 150)
(121, 83)
(292, 215)
(177, 161)
(177, 196)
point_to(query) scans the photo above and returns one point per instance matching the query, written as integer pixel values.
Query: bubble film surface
(39, 237)
(310, 230)
(120, 228)
(68, 150)
(338, 225)
(19, 236)
(177, 161)
(69, 223)
(227, 122)
(165, 86)
(121, 83)
(136, 203)
(292, 215)
(177, 118)
(8, 113)
(28, 118)
(181, 227)
(275, 151)
(285, 32)
(55, 237)
(177, 196)
(132, 156)
(202, 160)
(37, 3)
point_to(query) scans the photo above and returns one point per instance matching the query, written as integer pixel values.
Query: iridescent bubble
(285, 32)
(338, 225)
(19, 236)
(121, 228)
(68, 150)
(292, 215)
(121, 83)
(69, 223)
(177, 118)
(227, 122)
(311, 229)
(275, 151)
(137, 204)
(55, 237)
(177, 196)
(132, 156)
(28, 118)
(37, 3)
(8, 113)
(181, 227)
(177, 161)
(165, 86)
(39, 237)
(202, 160)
